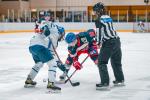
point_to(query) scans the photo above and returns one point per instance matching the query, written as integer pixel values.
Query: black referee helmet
(99, 7)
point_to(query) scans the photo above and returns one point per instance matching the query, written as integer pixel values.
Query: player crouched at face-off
(83, 42)
(40, 46)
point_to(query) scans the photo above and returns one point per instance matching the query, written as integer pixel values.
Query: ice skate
(52, 88)
(119, 83)
(101, 86)
(29, 83)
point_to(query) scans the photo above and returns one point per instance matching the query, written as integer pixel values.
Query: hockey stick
(73, 84)
(75, 70)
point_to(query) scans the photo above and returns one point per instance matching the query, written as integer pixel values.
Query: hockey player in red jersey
(83, 42)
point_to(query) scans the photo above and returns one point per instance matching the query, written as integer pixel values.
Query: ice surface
(16, 62)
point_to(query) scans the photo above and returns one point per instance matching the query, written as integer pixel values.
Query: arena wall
(74, 27)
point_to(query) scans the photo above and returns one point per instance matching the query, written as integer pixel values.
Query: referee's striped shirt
(105, 30)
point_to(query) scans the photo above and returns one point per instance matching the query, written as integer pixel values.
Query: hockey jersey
(41, 39)
(84, 40)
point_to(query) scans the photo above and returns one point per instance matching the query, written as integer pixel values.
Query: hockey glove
(77, 65)
(61, 66)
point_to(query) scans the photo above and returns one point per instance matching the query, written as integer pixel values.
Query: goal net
(141, 27)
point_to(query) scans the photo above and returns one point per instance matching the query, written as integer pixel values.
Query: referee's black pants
(111, 49)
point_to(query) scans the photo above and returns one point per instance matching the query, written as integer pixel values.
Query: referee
(110, 48)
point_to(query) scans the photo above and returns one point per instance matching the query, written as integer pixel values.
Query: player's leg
(67, 65)
(52, 75)
(103, 58)
(46, 57)
(35, 69)
(116, 64)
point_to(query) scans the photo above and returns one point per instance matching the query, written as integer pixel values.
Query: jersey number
(84, 40)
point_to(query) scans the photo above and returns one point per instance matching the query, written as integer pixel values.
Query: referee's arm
(98, 34)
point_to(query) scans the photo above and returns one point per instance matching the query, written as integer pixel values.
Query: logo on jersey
(84, 40)
(106, 20)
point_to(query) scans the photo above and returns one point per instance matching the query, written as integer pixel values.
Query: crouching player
(40, 48)
(83, 42)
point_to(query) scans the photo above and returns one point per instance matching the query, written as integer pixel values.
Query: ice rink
(16, 62)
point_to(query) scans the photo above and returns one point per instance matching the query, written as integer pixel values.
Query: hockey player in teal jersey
(83, 42)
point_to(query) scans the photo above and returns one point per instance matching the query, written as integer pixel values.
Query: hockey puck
(44, 80)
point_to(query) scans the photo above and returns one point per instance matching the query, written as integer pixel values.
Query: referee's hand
(98, 45)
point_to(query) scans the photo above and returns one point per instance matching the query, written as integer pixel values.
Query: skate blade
(119, 85)
(50, 91)
(106, 88)
(29, 86)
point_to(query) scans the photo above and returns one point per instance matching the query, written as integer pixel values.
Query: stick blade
(76, 84)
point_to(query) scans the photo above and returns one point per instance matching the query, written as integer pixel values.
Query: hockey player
(41, 50)
(46, 19)
(110, 48)
(83, 42)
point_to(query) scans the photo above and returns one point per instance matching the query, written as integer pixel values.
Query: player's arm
(37, 27)
(91, 35)
(98, 30)
(73, 58)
